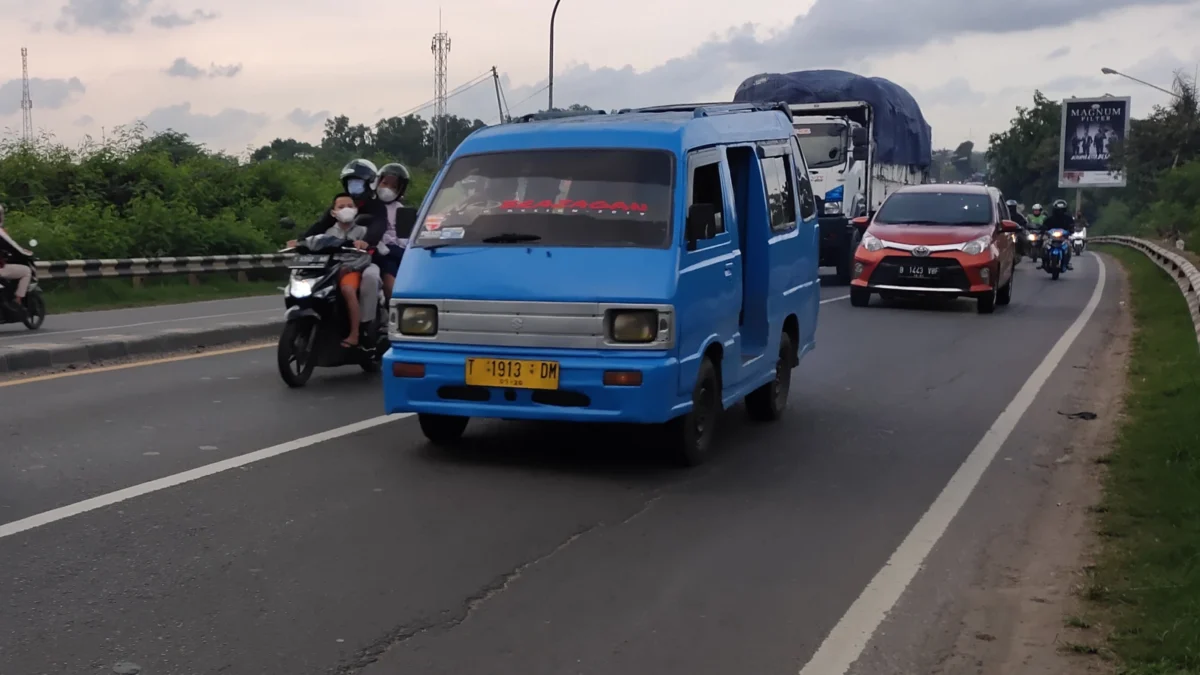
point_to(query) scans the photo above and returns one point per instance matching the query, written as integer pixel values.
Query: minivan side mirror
(701, 224)
(1009, 226)
(860, 222)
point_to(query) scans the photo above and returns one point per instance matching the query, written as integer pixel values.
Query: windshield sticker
(452, 233)
(430, 234)
(803, 131)
(433, 222)
(573, 205)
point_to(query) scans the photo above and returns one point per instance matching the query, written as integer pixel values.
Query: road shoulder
(1000, 593)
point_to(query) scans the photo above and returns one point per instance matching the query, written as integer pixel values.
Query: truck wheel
(691, 435)
(767, 403)
(442, 429)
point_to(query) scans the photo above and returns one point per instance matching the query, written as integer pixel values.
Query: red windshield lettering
(600, 206)
(511, 204)
(575, 205)
(619, 206)
(544, 204)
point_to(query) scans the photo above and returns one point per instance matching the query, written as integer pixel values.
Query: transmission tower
(26, 100)
(441, 49)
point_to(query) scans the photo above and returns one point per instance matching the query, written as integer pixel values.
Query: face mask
(356, 186)
(346, 215)
(387, 194)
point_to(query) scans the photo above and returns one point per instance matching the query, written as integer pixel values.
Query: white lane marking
(148, 323)
(828, 300)
(849, 638)
(64, 512)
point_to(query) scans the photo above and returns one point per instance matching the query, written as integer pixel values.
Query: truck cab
(654, 266)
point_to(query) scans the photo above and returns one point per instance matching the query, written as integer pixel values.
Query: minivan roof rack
(555, 114)
(709, 109)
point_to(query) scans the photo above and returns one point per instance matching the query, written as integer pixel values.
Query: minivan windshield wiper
(511, 238)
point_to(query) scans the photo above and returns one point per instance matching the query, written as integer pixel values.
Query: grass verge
(1146, 583)
(115, 293)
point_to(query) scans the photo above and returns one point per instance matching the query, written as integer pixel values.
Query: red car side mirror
(1009, 226)
(860, 222)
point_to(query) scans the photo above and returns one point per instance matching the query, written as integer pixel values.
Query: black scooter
(34, 303)
(316, 316)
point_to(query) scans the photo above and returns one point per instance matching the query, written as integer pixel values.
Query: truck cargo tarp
(902, 136)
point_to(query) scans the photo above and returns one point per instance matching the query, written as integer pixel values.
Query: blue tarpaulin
(902, 136)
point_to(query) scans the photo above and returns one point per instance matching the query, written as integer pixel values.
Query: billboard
(1090, 127)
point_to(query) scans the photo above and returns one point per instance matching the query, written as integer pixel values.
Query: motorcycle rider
(1037, 217)
(1060, 217)
(390, 188)
(358, 179)
(10, 271)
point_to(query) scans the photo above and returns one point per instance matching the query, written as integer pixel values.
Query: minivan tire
(859, 297)
(691, 435)
(768, 402)
(443, 430)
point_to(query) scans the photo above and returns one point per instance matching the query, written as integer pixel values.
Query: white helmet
(1037, 207)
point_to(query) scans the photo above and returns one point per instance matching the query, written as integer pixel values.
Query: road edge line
(845, 644)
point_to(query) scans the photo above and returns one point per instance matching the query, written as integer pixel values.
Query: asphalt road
(535, 549)
(82, 326)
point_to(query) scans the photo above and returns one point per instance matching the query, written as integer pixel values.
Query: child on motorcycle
(360, 300)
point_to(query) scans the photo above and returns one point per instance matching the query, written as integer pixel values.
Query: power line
(471, 83)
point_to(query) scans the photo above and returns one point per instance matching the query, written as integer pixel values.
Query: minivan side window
(706, 189)
(781, 195)
(808, 203)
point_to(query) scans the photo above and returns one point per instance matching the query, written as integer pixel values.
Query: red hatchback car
(945, 240)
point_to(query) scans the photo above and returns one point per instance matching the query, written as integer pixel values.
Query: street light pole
(550, 87)
(1110, 71)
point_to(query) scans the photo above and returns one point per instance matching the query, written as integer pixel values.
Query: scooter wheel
(35, 311)
(294, 354)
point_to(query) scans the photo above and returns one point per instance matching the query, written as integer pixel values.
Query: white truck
(856, 155)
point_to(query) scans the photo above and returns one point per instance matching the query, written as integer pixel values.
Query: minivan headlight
(421, 320)
(872, 243)
(634, 325)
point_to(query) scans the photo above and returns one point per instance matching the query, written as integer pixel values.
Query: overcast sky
(236, 73)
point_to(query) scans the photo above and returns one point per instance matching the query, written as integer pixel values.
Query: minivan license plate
(517, 374)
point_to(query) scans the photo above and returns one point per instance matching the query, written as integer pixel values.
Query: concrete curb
(19, 358)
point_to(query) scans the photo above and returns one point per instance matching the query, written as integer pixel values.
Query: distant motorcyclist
(1036, 218)
(1016, 215)
(11, 270)
(1060, 217)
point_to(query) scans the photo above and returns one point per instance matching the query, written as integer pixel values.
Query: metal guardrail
(1180, 268)
(148, 267)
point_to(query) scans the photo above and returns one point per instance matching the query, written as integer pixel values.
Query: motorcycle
(1033, 243)
(34, 303)
(1055, 252)
(316, 317)
(1078, 242)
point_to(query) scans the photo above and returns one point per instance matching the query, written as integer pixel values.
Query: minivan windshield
(823, 144)
(586, 197)
(936, 208)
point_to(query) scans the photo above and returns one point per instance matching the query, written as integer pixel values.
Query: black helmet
(359, 170)
(1060, 205)
(402, 177)
(1012, 203)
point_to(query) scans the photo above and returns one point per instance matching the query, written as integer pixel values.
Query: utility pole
(26, 100)
(499, 104)
(441, 50)
(550, 85)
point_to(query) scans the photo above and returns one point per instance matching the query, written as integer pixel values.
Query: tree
(1024, 158)
(284, 149)
(405, 138)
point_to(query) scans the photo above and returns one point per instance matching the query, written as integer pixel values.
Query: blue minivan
(652, 266)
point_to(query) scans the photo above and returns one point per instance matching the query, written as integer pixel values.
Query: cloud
(230, 128)
(108, 16)
(181, 67)
(816, 39)
(177, 20)
(85, 121)
(1059, 53)
(46, 94)
(308, 120)
(956, 92)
